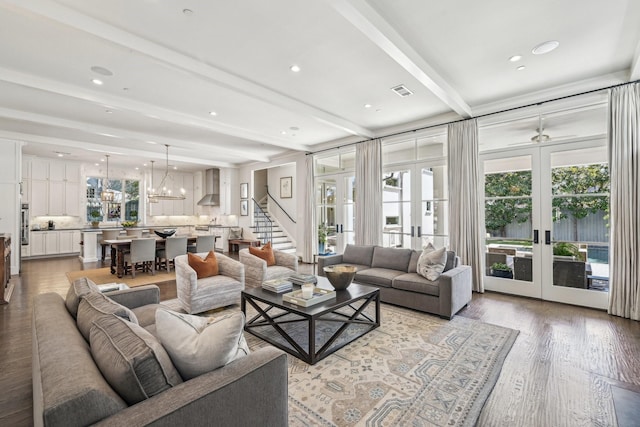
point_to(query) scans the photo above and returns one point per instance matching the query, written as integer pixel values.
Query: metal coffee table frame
(325, 311)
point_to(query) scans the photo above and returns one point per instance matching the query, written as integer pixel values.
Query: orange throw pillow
(206, 267)
(265, 252)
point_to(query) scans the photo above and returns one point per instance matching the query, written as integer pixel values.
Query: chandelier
(163, 193)
(108, 194)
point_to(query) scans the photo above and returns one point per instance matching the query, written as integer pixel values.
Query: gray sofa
(69, 389)
(394, 272)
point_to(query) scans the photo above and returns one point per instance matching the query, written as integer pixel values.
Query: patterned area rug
(414, 370)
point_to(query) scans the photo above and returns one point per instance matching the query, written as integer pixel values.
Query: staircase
(279, 240)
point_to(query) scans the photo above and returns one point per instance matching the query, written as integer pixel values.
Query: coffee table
(312, 333)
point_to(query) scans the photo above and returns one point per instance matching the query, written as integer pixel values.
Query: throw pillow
(265, 253)
(94, 305)
(431, 263)
(133, 361)
(198, 344)
(206, 267)
(78, 288)
(235, 233)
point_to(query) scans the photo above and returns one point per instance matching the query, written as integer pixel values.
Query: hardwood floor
(559, 372)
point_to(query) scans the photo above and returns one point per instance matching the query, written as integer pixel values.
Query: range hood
(212, 188)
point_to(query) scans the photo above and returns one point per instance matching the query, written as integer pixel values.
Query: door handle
(341, 228)
(412, 231)
(547, 237)
(419, 231)
(337, 228)
(536, 238)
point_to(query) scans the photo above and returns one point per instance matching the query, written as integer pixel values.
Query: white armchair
(198, 295)
(256, 270)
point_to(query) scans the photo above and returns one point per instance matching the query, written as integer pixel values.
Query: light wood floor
(558, 373)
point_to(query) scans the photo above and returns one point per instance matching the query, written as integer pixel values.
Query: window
(124, 207)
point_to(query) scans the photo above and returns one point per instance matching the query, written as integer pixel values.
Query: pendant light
(107, 193)
(151, 190)
(163, 193)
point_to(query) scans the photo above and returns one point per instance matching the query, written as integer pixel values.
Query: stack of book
(277, 285)
(300, 279)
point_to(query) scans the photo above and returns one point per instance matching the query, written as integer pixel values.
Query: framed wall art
(244, 207)
(244, 190)
(286, 184)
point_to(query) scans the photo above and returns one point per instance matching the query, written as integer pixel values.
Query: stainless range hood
(212, 188)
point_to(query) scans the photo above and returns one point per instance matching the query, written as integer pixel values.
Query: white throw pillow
(431, 263)
(198, 345)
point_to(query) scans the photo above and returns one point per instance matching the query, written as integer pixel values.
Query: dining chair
(108, 235)
(141, 255)
(173, 247)
(203, 244)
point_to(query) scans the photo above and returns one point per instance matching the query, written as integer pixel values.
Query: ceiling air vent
(401, 91)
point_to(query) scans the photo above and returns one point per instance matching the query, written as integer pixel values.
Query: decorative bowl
(166, 233)
(340, 276)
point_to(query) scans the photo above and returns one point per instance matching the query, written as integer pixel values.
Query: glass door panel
(397, 228)
(326, 199)
(576, 185)
(347, 226)
(434, 207)
(510, 216)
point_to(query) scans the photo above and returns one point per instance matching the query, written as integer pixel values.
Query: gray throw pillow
(94, 305)
(78, 288)
(235, 233)
(132, 360)
(198, 345)
(431, 263)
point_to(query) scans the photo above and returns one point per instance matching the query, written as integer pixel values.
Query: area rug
(414, 370)
(101, 276)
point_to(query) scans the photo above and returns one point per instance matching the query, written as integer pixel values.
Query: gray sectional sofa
(394, 272)
(70, 390)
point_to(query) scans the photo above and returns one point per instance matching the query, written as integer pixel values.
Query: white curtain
(624, 144)
(465, 234)
(368, 226)
(309, 236)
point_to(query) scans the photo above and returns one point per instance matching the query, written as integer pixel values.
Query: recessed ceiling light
(144, 164)
(515, 58)
(545, 47)
(137, 168)
(283, 132)
(151, 142)
(97, 82)
(97, 164)
(175, 168)
(295, 68)
(367, 105)
(101, 70)
(520, 68)
(60, 155)
(213, 113)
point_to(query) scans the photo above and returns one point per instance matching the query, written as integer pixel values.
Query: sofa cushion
(377, 276)
(131, 359)
(356, 254)
(198, 345)
(265, 253)
(78, 288)
(413, 261)
(206, 267)
(431, 263)
(146, 314)
(94, 305)
(451, 261)
(391, 258)
(415, 283)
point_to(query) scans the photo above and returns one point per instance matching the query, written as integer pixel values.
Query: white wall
(10, 177)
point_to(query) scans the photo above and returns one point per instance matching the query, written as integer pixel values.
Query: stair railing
(262, 223)
(280, 206)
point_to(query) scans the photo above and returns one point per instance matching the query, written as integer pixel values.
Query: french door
(335, 211)
(546, 222)
(415, 205)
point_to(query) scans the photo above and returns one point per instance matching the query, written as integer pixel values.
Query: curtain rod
(506, 110)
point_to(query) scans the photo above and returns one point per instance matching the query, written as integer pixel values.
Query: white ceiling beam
(128, 136)
(149, 110)
(74, 19)
(362, 16)
(116, 150)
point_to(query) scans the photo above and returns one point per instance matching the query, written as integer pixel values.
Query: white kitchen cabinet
(71, 199)
(64, 171)
(39, 169)
(68, 241)
(51, 242)
(56, 198)
(39, 198)
(37, 243)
